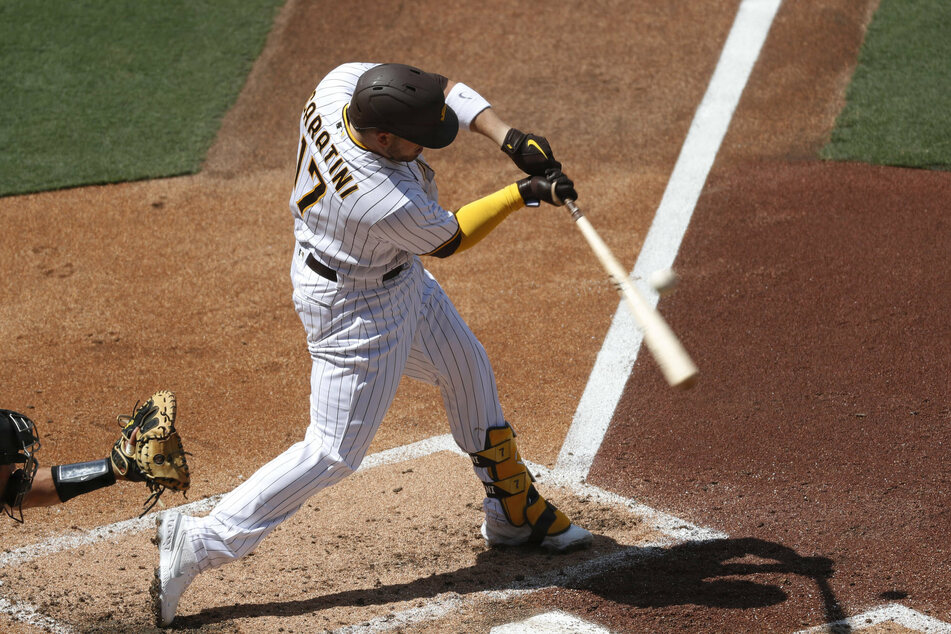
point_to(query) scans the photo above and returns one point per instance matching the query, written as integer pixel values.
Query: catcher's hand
(150, 450)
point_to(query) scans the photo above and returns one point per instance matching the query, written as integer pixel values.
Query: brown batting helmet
(404, 101)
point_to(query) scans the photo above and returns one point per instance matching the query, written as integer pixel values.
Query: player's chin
(406, 157)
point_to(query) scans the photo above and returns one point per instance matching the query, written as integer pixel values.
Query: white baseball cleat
(177, 567)
(504, 534)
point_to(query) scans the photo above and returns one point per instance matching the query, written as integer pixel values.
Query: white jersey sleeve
(417, 227)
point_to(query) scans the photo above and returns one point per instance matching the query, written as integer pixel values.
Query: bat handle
(573, 209)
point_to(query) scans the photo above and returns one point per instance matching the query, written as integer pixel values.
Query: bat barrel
(676, 365)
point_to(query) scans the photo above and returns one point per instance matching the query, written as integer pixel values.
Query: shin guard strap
(494, 455)
(508, 487)
(545, 519)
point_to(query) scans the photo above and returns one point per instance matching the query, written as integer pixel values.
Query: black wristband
(75, 479)
(527, 193)
(513, 139)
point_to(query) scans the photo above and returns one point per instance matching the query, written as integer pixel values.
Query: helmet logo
(442, 115)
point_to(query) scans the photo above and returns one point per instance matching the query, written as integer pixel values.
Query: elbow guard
(449, 247)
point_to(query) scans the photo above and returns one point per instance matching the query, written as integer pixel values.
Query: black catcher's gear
(19, 443)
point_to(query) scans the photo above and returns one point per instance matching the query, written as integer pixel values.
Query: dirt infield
(814, 297)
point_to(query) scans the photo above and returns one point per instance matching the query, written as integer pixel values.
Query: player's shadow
(716, 573)
(723, 573)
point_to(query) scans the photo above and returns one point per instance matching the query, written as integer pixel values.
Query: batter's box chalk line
(670, 526)
(892, 613)
(28, 614)
(674, 530)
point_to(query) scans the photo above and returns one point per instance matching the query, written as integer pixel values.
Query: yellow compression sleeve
(479, 217)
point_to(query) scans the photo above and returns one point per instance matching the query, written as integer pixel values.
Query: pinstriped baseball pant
(361, 342)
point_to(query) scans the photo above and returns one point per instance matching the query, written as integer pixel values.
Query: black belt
(330, 274)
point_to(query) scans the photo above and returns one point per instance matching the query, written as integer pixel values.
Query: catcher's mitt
(150, 450)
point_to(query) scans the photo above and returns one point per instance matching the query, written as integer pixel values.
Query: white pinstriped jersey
(359, 213)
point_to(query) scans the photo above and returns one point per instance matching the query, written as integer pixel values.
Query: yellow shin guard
(512, 486)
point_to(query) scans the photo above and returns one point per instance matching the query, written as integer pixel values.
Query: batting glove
(553, 188)
(531, 153)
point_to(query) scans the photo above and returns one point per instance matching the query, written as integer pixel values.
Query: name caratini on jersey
(339, 172)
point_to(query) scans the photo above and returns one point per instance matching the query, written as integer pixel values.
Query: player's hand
(128, 449)
(553, 188)
(531, 153)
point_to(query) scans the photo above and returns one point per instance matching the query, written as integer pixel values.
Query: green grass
(97, 91)
(898, 105)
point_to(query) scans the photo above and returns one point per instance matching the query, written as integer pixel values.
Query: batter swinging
(365, 207)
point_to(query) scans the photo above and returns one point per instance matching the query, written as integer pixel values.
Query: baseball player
(23, 484)
(365, 207)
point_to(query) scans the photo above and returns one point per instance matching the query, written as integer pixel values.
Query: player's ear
(383, 138)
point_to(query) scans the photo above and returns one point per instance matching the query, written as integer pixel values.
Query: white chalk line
(891, 613)
(29, 614)
(673, 529)
(622, 344)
